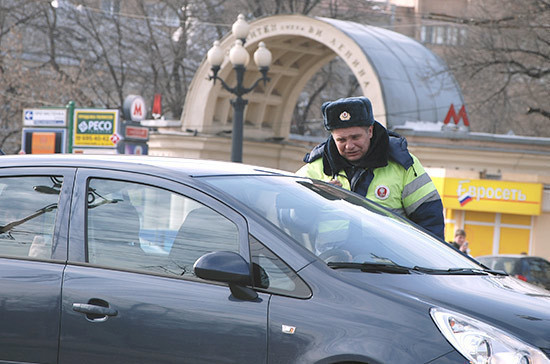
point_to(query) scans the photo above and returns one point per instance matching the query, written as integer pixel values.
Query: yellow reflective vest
(400, 190)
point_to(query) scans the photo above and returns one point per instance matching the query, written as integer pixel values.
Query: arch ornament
(404, 80)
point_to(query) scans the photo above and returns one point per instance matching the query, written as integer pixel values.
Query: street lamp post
(239, 58)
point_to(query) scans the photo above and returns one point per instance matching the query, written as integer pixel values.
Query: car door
(34, 206)
(129, 291)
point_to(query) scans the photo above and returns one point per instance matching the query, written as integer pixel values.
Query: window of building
(161, 15)
(111, 7)
(449, 35)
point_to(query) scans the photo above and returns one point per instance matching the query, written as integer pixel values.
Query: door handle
(96, 310)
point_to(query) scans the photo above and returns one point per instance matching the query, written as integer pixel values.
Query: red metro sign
(456, 118)
(133, 108)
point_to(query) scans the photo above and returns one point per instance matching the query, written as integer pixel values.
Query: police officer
(361, 155)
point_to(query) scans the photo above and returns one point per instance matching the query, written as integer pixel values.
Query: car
(143, 259)
(532, 269)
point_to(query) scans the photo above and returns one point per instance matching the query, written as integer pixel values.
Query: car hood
(502, 301)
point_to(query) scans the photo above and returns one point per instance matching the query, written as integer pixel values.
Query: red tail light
(523, 278)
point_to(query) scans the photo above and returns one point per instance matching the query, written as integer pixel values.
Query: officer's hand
(335, 182)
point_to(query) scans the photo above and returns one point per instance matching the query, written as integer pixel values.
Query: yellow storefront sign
(94, 128)
(491, 196)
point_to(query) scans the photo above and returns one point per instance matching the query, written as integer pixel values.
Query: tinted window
(28, 206)
(337, 225)
(139, 227)
(540, 269)
(510, 265)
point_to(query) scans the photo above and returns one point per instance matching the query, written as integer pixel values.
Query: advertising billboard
(43, 140)
(95, 128)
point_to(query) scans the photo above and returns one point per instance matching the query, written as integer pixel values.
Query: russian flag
(464, 199)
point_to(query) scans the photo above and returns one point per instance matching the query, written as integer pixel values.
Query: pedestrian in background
(460, 241)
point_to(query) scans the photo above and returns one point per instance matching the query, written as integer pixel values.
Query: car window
(272, 274)
(513, 266)
(540, 269)
(510, 265)
(28, 207)
(140, 227)
(491, 263)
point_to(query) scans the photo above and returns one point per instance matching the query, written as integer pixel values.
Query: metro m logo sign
(133, 108)
(137, 110)
(456, 118)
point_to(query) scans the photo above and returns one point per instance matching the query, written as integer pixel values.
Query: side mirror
(227, 267)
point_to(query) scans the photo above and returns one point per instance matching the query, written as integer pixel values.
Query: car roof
(190, 167)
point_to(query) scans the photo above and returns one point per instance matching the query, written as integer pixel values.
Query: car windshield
(508, 264)
(339, 226)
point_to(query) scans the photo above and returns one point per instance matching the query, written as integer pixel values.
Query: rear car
(535, 270)
(136, 259)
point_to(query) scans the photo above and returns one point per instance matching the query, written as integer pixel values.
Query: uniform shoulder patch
(382, 192)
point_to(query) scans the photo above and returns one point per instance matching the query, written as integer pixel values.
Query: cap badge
(345, 116)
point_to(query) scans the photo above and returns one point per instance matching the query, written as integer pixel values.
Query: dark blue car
(535, 270)
(122, 259)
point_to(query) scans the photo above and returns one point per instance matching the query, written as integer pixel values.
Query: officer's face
(352, 143)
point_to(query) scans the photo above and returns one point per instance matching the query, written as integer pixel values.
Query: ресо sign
(94, 127)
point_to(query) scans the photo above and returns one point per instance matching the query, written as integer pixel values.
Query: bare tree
(11, 17)
(504, 66)
(174, 51)
(96, 55)
(333, 81)
(258, 8)
(25, 85)
(28, 76)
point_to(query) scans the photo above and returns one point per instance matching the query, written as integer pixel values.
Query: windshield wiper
(399, 269)
(496, 272)
(458, 271)
(372, 267)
